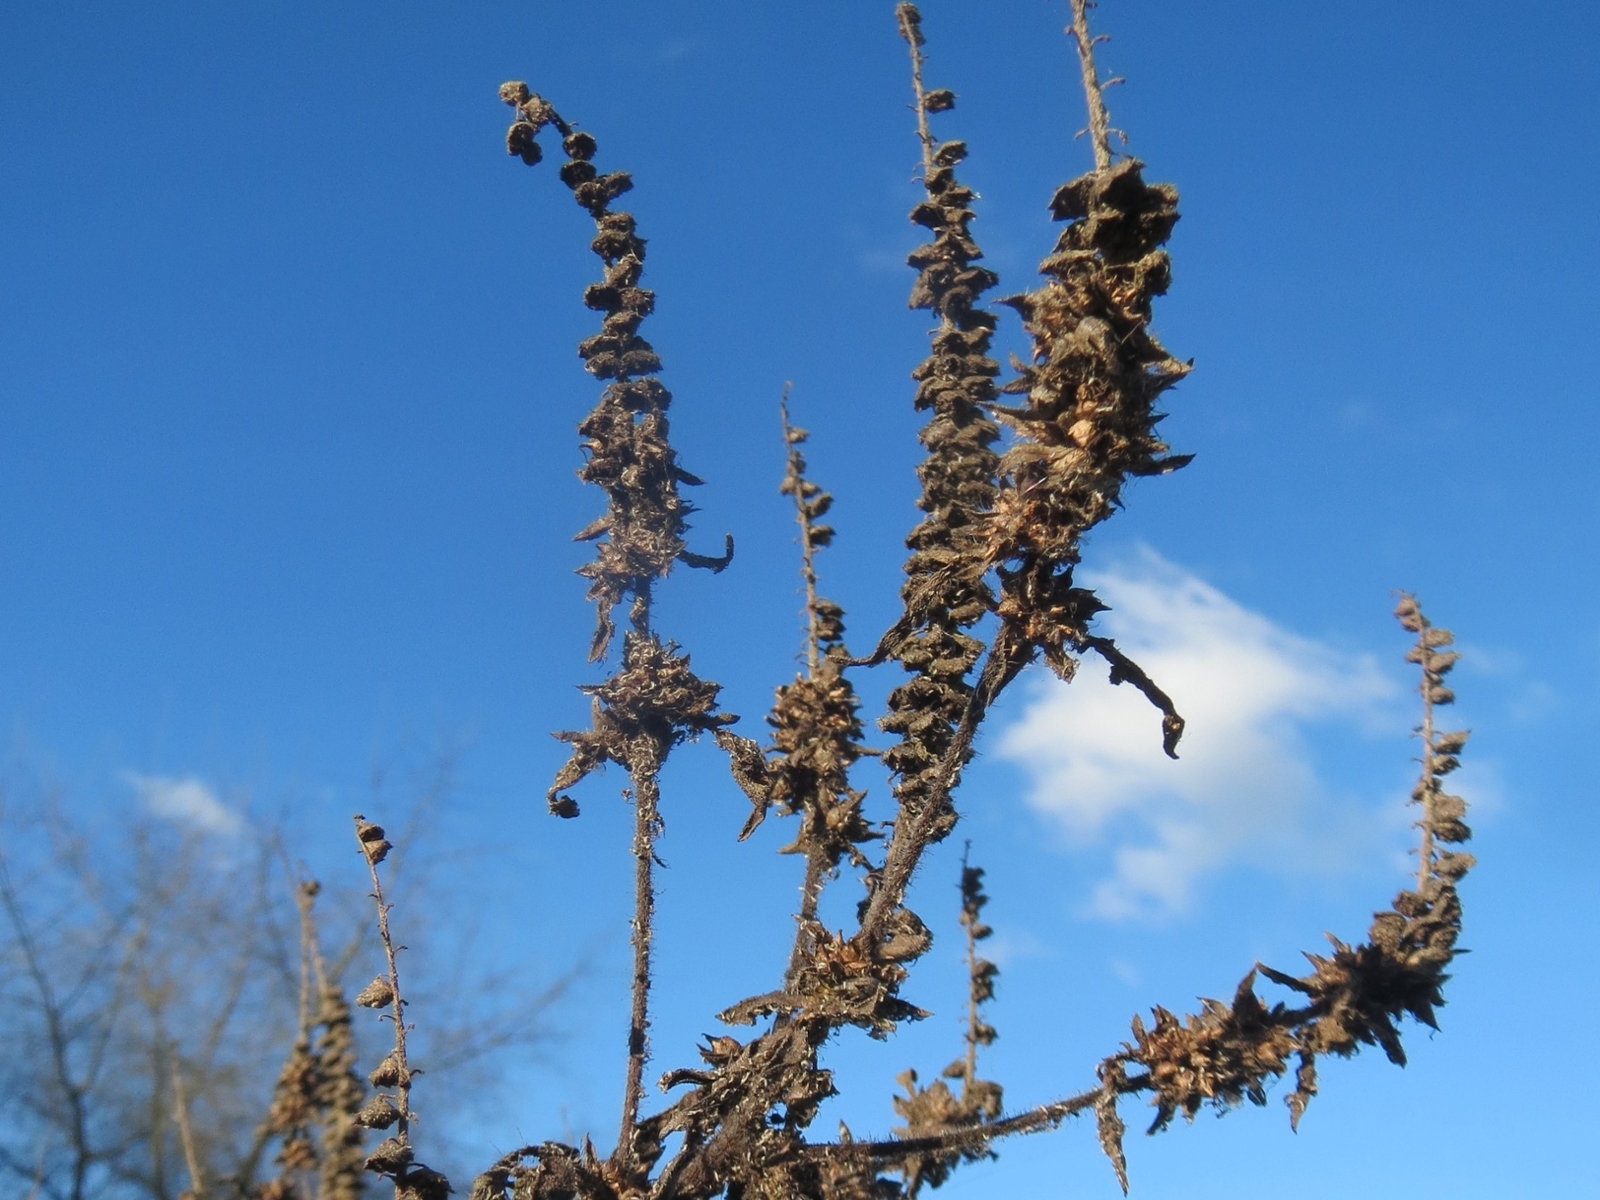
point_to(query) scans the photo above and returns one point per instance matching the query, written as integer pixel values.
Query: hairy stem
(912, 33)
(808, 570)
(1034, 1120)
(912, 831)
(646, 827)
(810, 895)
(1099, 119)
(396, 1003)
(1425, 850)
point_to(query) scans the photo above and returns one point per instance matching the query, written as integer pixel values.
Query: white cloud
(186, 800)
(1245, 790)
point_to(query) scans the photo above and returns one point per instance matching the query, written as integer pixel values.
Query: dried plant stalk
(653, 702)
(394, 1157)
(995, 551)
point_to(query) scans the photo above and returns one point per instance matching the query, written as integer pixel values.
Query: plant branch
(646, 828)
(373, 850)
(1099, 119)
(808, 570)
(910, 22)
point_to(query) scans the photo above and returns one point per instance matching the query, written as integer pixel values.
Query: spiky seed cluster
(1089, 421)
(1354, 997)
(816, 736)
(650, 705)
(626, 434)
(944, 593)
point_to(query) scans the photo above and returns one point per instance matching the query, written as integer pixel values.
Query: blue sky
(287, 391)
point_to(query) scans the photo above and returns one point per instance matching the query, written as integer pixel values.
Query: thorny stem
(1099, 120)
(808, 571)
(646, 827)
(397, 1004)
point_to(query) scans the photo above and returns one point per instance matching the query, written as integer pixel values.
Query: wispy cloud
(1246, 790)
(186, 800)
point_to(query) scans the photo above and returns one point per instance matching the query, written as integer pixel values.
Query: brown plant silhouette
(989, 588)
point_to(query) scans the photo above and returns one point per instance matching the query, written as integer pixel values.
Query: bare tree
(145, 992)
(178, 1015)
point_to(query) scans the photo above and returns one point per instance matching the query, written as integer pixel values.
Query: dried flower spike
(394, 1157)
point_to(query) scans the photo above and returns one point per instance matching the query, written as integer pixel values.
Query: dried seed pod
(373, 844)
(390, 1158)
(389, 1073)
(421, 1183)
(377, 994)
(378, 1113)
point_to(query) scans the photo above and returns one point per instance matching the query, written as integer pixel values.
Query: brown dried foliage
(994, 553)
